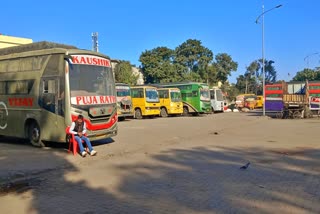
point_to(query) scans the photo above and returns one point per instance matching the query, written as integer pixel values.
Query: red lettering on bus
(102, 99)
(75, 60)
(90, 60)
(91, 100)
(78, 100)
(30, 101)
(27, 101)
(82, 60)
(95, 61)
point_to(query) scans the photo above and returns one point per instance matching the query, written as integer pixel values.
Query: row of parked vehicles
(249, 101)
(172, 99)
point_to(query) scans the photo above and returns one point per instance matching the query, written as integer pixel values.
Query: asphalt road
(172, 165)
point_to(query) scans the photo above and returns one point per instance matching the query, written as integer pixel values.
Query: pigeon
(245, 166)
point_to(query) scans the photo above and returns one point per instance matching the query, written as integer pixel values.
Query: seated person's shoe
(92, 153)
(83, 154)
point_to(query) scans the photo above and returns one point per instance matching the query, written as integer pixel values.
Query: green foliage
(157, 65)
(252, 80)
(231, 90)
(189, 61)
(224, 65)
(307, 74)
(123, 73)
(193, 56)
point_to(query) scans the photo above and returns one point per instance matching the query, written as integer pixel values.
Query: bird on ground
(245, 166)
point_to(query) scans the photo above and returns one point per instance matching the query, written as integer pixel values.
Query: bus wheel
(296, 115)
(138, 114)
(34, 135)
(163, 112)
(185, 111)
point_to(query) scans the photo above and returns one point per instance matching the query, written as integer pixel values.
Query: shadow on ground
(198, 180)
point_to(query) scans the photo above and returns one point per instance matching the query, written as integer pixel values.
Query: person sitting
(78, 128)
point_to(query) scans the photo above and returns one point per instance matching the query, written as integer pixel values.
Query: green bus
(195, 96)
(44, 86)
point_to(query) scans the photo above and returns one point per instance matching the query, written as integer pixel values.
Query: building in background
(135, 71)
(9, 41)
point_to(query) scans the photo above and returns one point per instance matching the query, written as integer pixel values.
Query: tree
(307, 74)
(231, 90)
(194, 58)
(270, 71)
(123, 73)
(211, 75)
(157, 65)
(224, 65)
(241, 84)
(253, 78)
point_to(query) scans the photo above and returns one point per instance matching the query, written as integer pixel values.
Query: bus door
(48, 100)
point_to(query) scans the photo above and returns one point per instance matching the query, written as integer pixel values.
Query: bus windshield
(123, 91)
(91, 80)
(152, 95)
(175, 96)
(204, 94)
(219, 95)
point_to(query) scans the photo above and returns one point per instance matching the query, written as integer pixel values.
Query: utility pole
(95, 46)
(263, 65)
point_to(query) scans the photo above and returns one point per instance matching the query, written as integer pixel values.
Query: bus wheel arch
(33, 133)
(185, 111)
(163, 112)
(138, 113)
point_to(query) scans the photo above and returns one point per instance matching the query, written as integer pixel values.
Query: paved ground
(172, 165)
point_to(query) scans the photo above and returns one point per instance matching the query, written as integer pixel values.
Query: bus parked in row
(170, 101)
(217, 100)
(195, 97)
(44, 87)
(145, 101)
(124, 102)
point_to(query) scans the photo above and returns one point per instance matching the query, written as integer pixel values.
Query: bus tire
(185, 111)
(163, 112)
(34, 134)
(138, 114)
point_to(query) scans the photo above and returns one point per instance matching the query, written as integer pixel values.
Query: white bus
(217, 100)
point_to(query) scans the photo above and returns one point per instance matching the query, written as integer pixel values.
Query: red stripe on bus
(273, 92)
(93, 127)
(314, 91)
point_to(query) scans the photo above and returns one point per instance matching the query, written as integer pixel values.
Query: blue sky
(127, 28)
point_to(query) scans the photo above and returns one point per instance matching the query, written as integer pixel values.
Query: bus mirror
(67, 57)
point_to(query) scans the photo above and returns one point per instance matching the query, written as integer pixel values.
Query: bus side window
(194, 93)
(166, 94)
(212, 95)
(48, 95)
(161, 94)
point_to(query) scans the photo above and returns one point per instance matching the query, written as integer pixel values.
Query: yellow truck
(145, 101)
(170, 101)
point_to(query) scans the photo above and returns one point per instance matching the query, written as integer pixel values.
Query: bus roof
(143, 86)
(183, 83)
(33, 47)
(173, 88)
